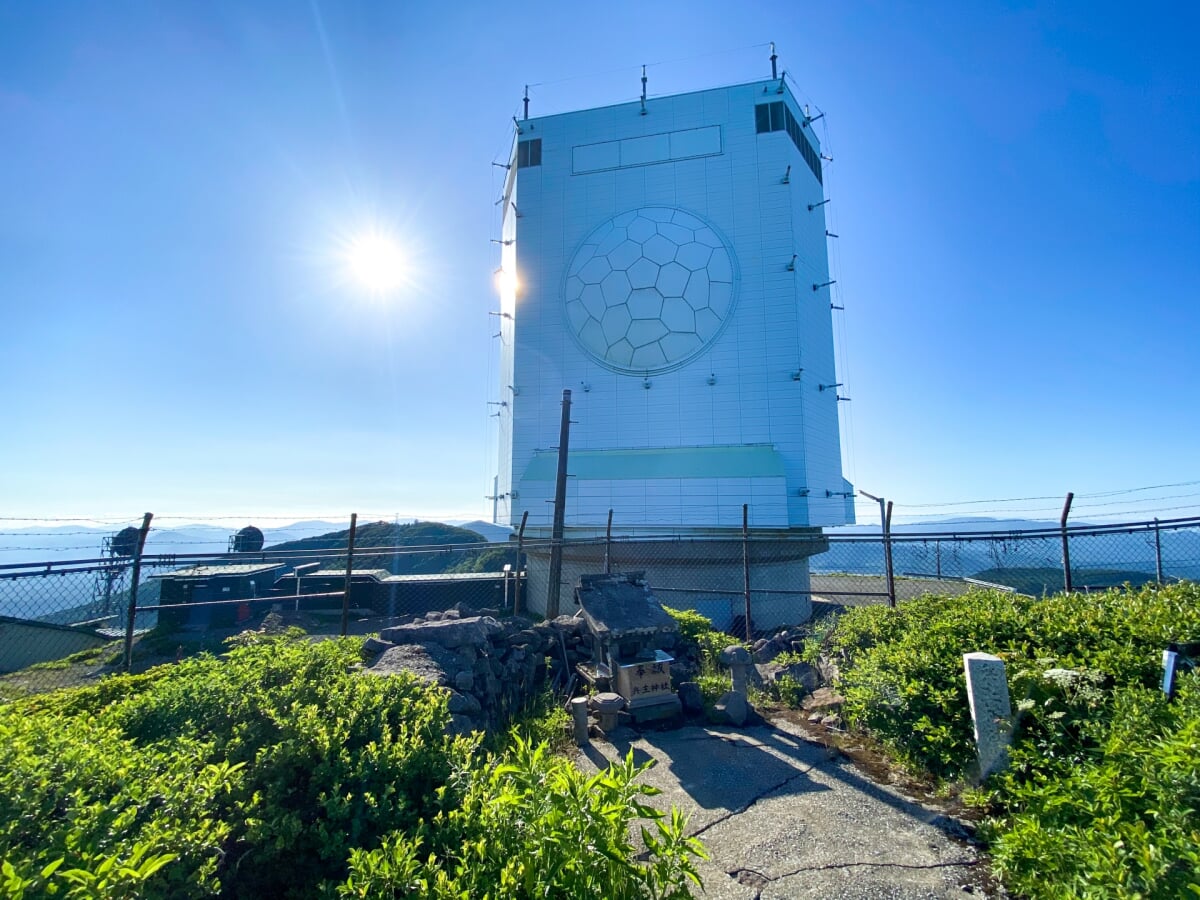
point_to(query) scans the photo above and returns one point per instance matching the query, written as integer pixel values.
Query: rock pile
(490, 666)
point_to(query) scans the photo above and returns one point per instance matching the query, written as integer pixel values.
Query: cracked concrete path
(783, 816)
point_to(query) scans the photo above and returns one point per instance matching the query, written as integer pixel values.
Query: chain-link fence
(69, 621)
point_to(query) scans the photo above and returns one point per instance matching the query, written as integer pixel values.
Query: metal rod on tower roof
(643, 90)
(773, 58)
(526, 101)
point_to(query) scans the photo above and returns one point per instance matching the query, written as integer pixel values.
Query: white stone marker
(991, 710)
(579, 718)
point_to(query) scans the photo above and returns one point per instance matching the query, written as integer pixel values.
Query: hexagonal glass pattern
(649, 289)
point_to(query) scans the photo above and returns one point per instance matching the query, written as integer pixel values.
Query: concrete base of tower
(704, 575)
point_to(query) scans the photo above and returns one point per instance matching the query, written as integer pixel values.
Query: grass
(104, 654)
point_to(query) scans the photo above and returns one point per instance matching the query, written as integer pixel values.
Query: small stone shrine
(628, 628)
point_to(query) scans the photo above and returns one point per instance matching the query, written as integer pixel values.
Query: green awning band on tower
(739, 461)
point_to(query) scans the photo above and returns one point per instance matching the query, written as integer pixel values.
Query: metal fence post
(520, 553)
(887, 555)
(349, 572)
(746, 567)
(1066, 546)
(133, 588)
(554, 589)
(885, 515)
(1157, 552)
(608, 545)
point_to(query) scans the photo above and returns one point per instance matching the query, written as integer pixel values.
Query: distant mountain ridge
(493, 532)
(394, 535)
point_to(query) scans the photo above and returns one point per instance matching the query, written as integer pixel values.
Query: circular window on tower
(649, 289)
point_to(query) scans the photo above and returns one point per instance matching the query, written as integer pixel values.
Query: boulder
(464, 681)
(823, 698)
(467, 656)
(771, 649)
(432, 664)
(827, 669)
(465, 704)
(449, 633)
(373, 646)
(732, 709)
(567, 625)
(801, 672)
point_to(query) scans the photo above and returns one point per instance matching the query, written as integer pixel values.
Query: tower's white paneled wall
(653, 261)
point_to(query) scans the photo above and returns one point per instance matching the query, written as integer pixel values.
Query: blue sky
(1016, 187)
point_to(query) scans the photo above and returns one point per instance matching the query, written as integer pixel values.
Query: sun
(377, 262)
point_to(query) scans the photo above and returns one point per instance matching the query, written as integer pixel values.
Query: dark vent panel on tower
(777, 117)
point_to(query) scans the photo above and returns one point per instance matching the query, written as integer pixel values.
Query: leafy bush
(535, 826)
(902, 672)
(697, 630)
(790, 691)
(257, 773)
(691, 623)
(1120, 822)
(544, 720)
(281, 769)
(1103, 788)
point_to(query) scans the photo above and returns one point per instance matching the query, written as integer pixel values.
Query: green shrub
(544, 720)
(714, 677)
(81, 804)
(282, 769)
(790, 691)
(535, 826)
(691, 623)
(259, 772)
(1103, 789)
(902, 672)
(1122, 821)
(698, 631)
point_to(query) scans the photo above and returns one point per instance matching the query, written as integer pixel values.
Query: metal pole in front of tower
(774, 75)
(746, 568)
(560, 510)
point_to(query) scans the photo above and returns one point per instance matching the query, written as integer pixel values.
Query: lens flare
(377, 263)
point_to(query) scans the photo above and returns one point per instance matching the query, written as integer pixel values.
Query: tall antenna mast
(774, 75)
(526, 101)
(643, 90)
